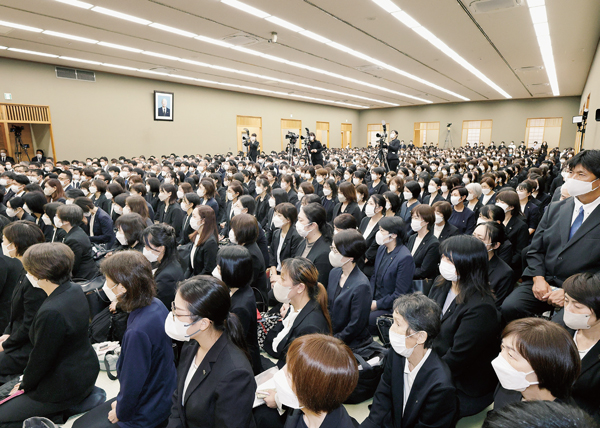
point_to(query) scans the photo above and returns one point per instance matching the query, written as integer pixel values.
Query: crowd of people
(214, 271)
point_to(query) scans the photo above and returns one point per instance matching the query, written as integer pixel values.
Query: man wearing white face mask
(416, 387)
(564, 242)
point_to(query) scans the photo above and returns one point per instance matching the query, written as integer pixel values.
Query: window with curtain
(543, 129)
(476, 131)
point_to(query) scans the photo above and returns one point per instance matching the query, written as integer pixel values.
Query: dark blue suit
(103, 229)
(349, 311)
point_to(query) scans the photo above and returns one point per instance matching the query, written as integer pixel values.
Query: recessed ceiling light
(121, 47)
(182, 77)
(246, 8)
(159, 55)
(172, 30)
(77, 3)
(32, 52)
(20, 27)
(68, 36)
(539, 17)
(121, 15)
(68, 58)
(285, 24)
(248, 51)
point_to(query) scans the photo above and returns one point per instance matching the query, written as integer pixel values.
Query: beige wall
(509, 118)
(592, 88)
(114, 115)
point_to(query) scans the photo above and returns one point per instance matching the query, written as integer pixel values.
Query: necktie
(577, 223)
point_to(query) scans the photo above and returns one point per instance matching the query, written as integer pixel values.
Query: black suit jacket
(469, 340)
(392, 149)
(262, 209)
(448, 231)
(432, 401)
(350, 310)
(103, 203)
(166, 278)
(259, 276)
(319, 255)
(532, 214)
(502, 279)
(338, 418)
(103, 229)
(380, 188)
(427, 256)
(517, 233)
(316, 158)
(352, 208)
(243, 304)
(310, 320)
(84, 265)
(553, 255)
(11, 271)
(205, 258)
(173, 216)
(62, 366)
(167, 111)
(438, 198)
(221, 392)
(290, 245)
(253, 150)
(8, 159)
(372, 246)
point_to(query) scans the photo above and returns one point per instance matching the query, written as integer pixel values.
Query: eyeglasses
(174, 308)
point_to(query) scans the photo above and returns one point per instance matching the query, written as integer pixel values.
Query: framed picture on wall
(163, 105)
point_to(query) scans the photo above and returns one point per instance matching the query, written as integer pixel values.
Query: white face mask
(303, 229)
(217, 273)
(486, 191)
(163, 196)
(118, 209)
(126, 210)
(272, 202)
(10, 212)
(522, 195)
(448, 271)
(346, 177)
(46, 220)
(109, 292)
(278, 222)
(337, 260)
(6, 249)
(370, 210)
(481, 220)
(415, 224)
(108, 195)
(341, 198)
(319, 179)
(232, 237)
(502, 205)
(85, 191)
(407, 195)
(455, 200)
(121, 238)
(300, 194)
(576, 187)
(48, 191)
(195, 223)
(574, 321)
(229, 196)
(431, 188)
(398, 342)
(381, 240)
(509, 377)
(15, 188)
(327, 192)
(93, 189)
(34, 282)
(184, 206)
(438, 218)
(168, 180)
(393, 188)
(356, 181)
(284, 391)
(58, 222)
(374, 177)
(259, 190)
(149, 255)
(388, 206)
(179, 194)
(444, 188)
(281, 293)
(177, 330)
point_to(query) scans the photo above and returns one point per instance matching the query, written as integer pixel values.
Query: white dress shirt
(587, 208)
(410, 376)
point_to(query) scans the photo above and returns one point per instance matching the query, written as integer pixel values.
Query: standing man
(392, 154)
(316, 148)
(253, 147)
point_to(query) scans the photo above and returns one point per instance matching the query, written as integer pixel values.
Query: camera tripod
(448, 140)
(18, 146)
(382, 155)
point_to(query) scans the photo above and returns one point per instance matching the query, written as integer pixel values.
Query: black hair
(350, 243)
(395, 225)
(235, 262)
(159, 235)
(588, 159)
(413, 187)
(494, 231)
(316, 213)
(394, 200)
(585, 288)
(493, 212)
(249, 203)
(193, 199)
(280, 196)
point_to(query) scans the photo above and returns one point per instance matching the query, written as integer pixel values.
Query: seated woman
(376, 185)
(582, 304)
(305, 307)
(278, 196)
(502, 277)
(15, 210)
(96, 223)
(496, 214)
(62, 366)
(462, 217)
(515, 226)
(442, 229)
(344, 222)
(394, 268)
(188, 204)
(411, 200)
(160, 248)
(263, 194)
(34, 202)
(320, 360)
(362, 196)
(138, 205)
(169, 211)
(349, 291)
(234, 268)
(19, 300)
(313, 227)
(216, 386)
(474, 197)
(530, 210)
(488, 183)
(423, 245)
(48, 218)
(347, 202)
(434, 190)
(392, 204)
(69, 218)
(369, 228)
(416, 387)
(130, 228)
(118, 204)
(538, 362)
(54, 191)
(206, 190)
(304, 189)
(285, 239)
(470, 321)
(329, 199)
(203, 256)
(145, 369)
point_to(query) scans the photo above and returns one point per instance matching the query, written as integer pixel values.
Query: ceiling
(502, 45)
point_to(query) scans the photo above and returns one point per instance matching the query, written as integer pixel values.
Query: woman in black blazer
(188, 203)
(20, 301)
(130, 228)
(152, 191)
(160, 248)
(234, 268)
(514, 225)
(215, 382)
(263, 194)
(298, 286)
(349, 291)
(347, 202)
(203, 255)
(411, 200)
(376, 185)
(284, 222)
(98, 190)
(374, 210)
(530, 210)
(277, 197)
(468, 339)
(287, 185)
(329, 199)
(171, 213)
(423, 245)
(62, 366)
(50, 209)
(442, 229)
(207, 192)
(69, 217)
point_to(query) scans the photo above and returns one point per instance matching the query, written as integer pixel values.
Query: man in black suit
(164, 110)
(565, 242)
(316, 149)
(253, 146)
(5, 158)
(392, 155)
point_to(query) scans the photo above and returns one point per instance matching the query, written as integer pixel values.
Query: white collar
(414, 371)
(587, 208)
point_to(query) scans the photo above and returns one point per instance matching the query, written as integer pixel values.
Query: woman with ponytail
(215, 382)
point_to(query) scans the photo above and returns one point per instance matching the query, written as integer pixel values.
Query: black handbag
(368, 375)
(92, 288)
(183, 253)
(384, 323)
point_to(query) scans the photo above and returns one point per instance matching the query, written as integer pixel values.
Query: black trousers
(97, 417)
(393, 164)
(521, 303)
(16, 410)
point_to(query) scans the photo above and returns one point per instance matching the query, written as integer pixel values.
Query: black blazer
(448, 231)
(372, 246)
(24, 304)
(553, 255)
(469, 340)
(350, 310)
(84, 265)
(392, 148)
(205, 258)
(243, 304)
(290, 245)
(532, 215)
(259, 275)
(396, 279)
(438, 198)
(262, 209)
(292, 197)
(432, 401)
(173, 216)
(316, 158)
(319, 255)
(380, 189)
(502, 279)
(103, 229)
(517, 233)
(102, 202)
(62, 366)
(427, 256)
(166, 278)
(476, 208)
(221, 392)
(338, 418)
(310, 320)
(351, 208)
(11, 271)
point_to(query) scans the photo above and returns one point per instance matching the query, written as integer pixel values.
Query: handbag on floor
(371, 360)
(384, 323)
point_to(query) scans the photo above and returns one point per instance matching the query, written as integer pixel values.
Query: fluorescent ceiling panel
(32, 52)
(70, 37)
(285, 24)
(121, 15)
(246, 8)
(172, 30)
(68, 58)
(21, 27)
(77, 3)
(121, 47)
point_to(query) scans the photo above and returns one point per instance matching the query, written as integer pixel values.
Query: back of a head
(539, 414)
(235, 263)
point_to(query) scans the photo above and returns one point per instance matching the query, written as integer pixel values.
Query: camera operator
(392, 155)
(315, 148)
(253, 146)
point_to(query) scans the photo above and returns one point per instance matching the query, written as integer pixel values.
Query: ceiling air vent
(241, 39)
(73, 74)
(368, 68)
(487, 6)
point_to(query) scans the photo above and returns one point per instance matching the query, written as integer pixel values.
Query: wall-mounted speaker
(598, 115)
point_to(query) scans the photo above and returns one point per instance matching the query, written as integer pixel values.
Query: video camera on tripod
(292, 137)
(17, 130)
(382, 136)
(307, 144)
(246, 137)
